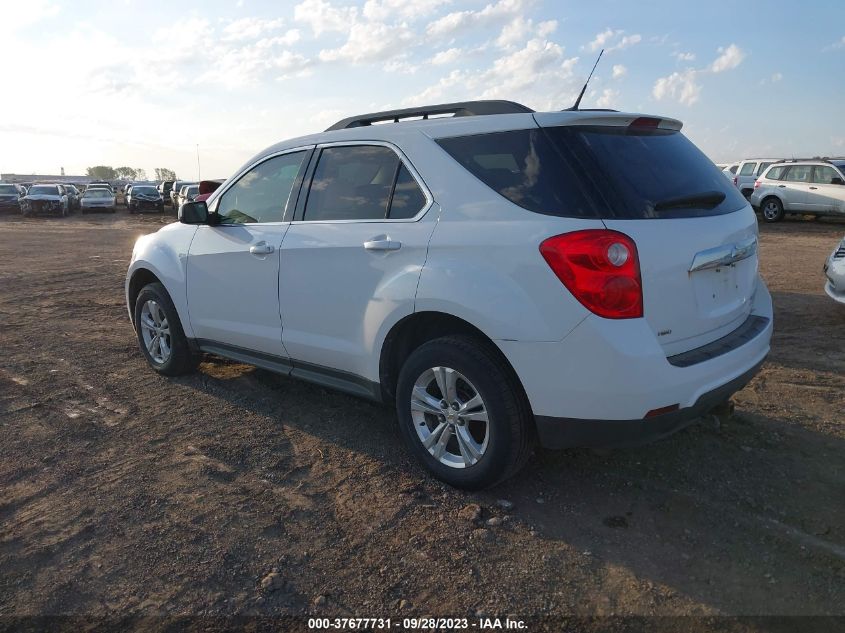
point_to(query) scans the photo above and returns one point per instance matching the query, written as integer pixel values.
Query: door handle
(781, 186)
(382, 245)
(261, 249)
(813, 187)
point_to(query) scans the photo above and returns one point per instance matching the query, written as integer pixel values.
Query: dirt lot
(234, 491)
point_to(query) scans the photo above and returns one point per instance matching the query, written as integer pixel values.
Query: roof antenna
(581, 96)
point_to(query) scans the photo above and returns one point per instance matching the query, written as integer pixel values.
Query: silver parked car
(834, 269)
(814, 187)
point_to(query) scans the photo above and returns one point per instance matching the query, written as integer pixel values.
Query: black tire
(771, 209)
(510, 422)
(182, 359)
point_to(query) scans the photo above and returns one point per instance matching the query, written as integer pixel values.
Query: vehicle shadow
(746, 518)
(809, 331)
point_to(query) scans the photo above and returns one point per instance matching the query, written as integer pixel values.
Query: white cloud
(519, 29)
(626, 41)
(683, 57)
(370, 41)
(601, 39)
(457, 21)
(681, 86)
(249, 28)
(539, 72)
(383, 10)
(608, 99)
(730, 57)
(839, 44)
(18, 15)
(613, 40)
(619, 71)
(323, 17)
(449, 56)
(776, 77)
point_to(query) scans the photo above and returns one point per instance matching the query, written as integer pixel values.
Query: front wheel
(160, 334)
(462, 412)
(772, 210)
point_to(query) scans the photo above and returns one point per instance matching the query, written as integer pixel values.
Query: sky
(152, 83)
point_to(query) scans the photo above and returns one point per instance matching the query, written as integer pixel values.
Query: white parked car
(813, 187)
(834, 270)
(478, 273)
(97, 199)
(730, 171)
(748, 171)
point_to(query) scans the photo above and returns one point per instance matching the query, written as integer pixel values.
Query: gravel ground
(237, 492)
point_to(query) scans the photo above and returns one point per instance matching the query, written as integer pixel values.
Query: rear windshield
(598, 172)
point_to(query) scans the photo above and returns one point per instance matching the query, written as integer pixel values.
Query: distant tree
(140, 174)
(101, 172)
(163, 173)
(127, 173)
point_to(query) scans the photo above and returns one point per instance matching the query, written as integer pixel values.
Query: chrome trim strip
(724, 255)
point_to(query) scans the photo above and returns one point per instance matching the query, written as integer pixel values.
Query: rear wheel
(462, 412)
(160, 333)
(772, 210)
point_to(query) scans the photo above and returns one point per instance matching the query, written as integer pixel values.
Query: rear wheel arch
(417, 329)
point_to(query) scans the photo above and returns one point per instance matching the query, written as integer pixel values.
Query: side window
(408, 199)
(747, 169)
(798, 173)
(774, 173)
(352, 182)
(262, 193)
(824, 175)
(762, 168)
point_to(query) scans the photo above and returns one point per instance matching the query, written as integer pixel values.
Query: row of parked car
(64, 198)
(776, 187)
(56, 198)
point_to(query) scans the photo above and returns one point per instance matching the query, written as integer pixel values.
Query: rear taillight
(736, 180)
(756, 184)
(600, 268)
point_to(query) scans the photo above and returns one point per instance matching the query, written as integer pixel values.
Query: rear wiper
(706, 199)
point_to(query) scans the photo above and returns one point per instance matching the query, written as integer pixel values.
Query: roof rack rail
(817, 159)
(461, 108)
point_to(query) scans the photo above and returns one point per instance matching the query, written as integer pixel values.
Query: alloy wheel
(155, 330)
(450, 417)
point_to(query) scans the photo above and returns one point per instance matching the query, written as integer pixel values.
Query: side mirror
(193, 213)
(836, 181)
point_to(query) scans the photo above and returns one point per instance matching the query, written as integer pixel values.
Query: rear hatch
(695, 234)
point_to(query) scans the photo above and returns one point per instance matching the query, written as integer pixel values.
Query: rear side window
(362, 182)
(774, 173)
(762, 168)
(748, 169)
(598, 172)
(798, 173)
(408, 199)
(824, 175)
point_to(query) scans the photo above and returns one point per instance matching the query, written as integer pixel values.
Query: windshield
(192, 190)
(598, 172)
(7, 189)
(43, 190)
(147, 191)
(97, 193)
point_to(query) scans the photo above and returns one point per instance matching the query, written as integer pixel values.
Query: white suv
(815, 187)
(585, 278)
(748, 171)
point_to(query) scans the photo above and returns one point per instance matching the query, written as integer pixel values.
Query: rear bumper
(570, 432)
(611, 374)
